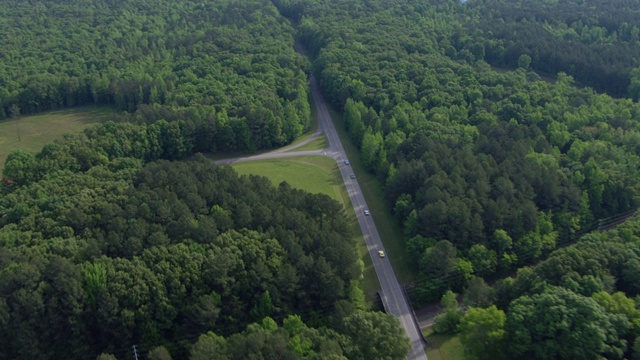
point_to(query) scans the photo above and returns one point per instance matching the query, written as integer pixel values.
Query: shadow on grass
(444, 347)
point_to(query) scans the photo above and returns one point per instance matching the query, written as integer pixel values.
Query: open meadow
(32, 132)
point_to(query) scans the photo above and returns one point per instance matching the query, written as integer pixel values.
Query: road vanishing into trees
(393, 297)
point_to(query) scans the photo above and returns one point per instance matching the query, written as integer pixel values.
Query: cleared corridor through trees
(393, 297)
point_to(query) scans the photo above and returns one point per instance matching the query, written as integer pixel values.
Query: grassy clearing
(444, 347)
(316, 174)
(318, 143)
(310, 173)
(373, 191)
(233, 154)
(31, 133)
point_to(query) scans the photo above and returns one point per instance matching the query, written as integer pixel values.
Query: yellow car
(381, 253)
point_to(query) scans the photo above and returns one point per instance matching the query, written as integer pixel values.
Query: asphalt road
(393, 297)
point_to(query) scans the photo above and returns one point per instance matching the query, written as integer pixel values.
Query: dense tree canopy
(105, 243)
(597, 42)
(580, 303)
(231, 62)
(502, 165)
(567, 326)
(126, 253)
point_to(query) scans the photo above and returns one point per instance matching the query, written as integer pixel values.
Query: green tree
(482, 333)
(375, 335)
(524, 61)
(353, 121)
(263, 308)
(440, 259)
(635, 355)
(619, 303)
(19, 167)
(372, 146)
(634, 86)
(95, 280)
(106, 357)
(159, 353)
(484, 260)
(502, 240)
(209, 346)
(542, 325)
(478, 293)
(447, 322)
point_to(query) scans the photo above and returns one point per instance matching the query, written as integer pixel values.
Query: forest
(491, 170)
(579, 303)
(123, 235)
(231, 60)
(129, 252)
(598, 44)
(505, 135)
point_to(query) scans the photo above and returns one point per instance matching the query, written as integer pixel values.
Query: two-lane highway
(393, 297)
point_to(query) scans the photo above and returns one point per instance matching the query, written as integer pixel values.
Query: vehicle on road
(353, 176)
(381, 253)
(346, 162)
(367, 213)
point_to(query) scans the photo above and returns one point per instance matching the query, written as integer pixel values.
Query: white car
(367, 213)
(346, 162)
(381, 253)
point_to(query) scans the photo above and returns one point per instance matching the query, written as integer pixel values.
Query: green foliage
(478, 157)
(294, 340)
(448, 301)
(482, 333)
(106, 357)
(228, 67)
(375, 335)
(619, 303)
(486, 171)
(263, 308)
(542, 325)
(447, 323)
(130, 254)
(524, 61)
(478, 293)
(571, 305)
(484, 260)
(634, 86)
(636, 349)
(597, 44)
(209, 346)
(95, 280)
(19, 166)
(372, 150)
(159, 353)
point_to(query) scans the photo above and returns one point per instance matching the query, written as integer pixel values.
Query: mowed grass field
(444, 347)
(318, 143)
(317, 174)
(314, 174)
(31, 133)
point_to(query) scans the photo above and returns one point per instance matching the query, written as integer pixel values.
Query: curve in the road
(393, 297)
